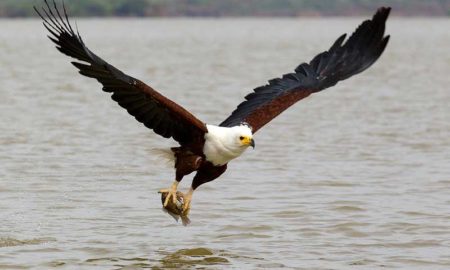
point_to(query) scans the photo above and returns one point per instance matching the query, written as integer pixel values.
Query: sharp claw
(167, 200)
(187, 206)
(186, 210)
(171, 192)
(187, 198)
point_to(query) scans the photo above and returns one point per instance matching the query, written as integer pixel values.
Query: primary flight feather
(204, 148)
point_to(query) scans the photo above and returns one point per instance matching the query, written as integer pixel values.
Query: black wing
(149, 107)
(340, 62)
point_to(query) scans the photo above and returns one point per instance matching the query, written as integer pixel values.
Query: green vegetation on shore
(158, 8)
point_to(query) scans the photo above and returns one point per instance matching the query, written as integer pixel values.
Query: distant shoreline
(358, 15)
(230, 8)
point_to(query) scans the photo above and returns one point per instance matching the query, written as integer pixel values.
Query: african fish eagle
(204, 148)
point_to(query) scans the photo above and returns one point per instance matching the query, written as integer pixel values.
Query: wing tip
(382, 14)
(384, 10)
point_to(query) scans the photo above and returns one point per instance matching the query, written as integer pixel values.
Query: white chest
(217, 153)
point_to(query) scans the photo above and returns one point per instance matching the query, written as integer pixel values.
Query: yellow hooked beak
(247, 141)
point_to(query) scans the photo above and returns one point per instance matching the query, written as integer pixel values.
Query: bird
(204, 148)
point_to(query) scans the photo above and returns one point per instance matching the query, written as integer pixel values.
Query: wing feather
(340, 62)
(149, 107)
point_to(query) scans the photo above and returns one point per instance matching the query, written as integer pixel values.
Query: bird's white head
(223, 144)
(243, 136)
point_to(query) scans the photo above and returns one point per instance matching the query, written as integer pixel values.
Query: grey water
(354, 177)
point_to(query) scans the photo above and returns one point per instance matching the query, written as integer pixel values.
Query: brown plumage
(206, 149)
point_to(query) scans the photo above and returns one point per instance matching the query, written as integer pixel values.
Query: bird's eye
(241, 138)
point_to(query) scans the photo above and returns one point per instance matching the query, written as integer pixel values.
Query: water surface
(357, 176)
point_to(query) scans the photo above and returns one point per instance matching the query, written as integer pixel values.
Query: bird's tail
(164, 154)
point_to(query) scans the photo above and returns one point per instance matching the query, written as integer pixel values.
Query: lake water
(355, 177)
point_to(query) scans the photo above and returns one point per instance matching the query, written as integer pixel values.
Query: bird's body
(207, 149)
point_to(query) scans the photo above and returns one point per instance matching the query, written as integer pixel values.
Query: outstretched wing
(340, 62)
(149, 107)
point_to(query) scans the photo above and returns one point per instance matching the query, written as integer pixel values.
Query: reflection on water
(11, 242)
(357, 175)
(181, 259)
(193, 258)
(186, 258)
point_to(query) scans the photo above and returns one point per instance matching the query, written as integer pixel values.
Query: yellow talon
(187, 198)
(171, 192)
(186, 206)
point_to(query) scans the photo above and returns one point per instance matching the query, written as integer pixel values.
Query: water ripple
(353, 177)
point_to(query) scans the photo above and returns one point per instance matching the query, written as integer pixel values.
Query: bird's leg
(187, 198)
(172, 192)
